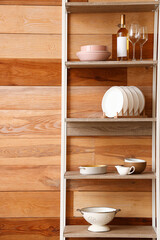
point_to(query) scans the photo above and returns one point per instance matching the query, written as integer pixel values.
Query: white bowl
(98, 217)
(93, 169)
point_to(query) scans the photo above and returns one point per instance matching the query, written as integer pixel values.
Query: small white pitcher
(125, 170)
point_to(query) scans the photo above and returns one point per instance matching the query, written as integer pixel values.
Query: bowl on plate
(93, 56)
(98, 217)
(94, 48)
(93, 169)
(139, 164)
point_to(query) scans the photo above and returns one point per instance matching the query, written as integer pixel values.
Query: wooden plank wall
(30, 109)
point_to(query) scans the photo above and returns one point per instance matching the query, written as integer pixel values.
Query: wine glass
(143, 38)
(134, 37)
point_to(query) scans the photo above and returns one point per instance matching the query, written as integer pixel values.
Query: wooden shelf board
(110, 64)
(83, 120)
(81, 231)
(111, 7)
(77, 175)
(117, 128)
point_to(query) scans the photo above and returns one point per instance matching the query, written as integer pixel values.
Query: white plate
(130, 99)
(135, 99)
(141, 98)
(114, 100)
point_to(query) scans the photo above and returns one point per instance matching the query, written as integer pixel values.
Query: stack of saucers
(123, 101)
(93, 53)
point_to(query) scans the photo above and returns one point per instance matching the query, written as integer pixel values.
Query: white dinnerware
(141, 98)
(122, 170)
(114, 102)
(123, 101)
(135, 99)
(93, 169)
(130, 99)
(98, 217)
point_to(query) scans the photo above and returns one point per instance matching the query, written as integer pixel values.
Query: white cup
(125, 170)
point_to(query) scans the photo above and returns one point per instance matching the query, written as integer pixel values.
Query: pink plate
(93, 48)
(93, 56)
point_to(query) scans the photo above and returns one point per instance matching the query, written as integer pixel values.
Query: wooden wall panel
(116, 221)
(109, 77)
(30, 19)
(30, 98)
(97, 77)
(18, 151)
(29, 124)
(110, 185)
(112, 151)
(30, 178)
(139, 76)
(29, 228)
(32, 2)
(27, 236)
(29, 204)
(106, 23)
(131, 204)
(30, 72)
(30, 46)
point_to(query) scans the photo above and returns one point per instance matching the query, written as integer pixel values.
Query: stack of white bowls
(123, 101)
(93, 53)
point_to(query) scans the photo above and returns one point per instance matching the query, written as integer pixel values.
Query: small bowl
(139, 164)
(94, 48)
(98, 217)
(93, 56)
(93, 169)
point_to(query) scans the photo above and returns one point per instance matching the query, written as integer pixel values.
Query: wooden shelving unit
(79, 231)
(112, 127)
(76, 175)
(110, 64)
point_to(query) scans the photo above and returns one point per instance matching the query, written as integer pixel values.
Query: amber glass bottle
(122, 41)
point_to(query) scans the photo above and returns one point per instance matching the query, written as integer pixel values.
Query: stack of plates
(123, 101)
(93, 53)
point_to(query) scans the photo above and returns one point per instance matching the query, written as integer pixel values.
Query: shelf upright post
(63, 117)
(154, 87)
(158, 140)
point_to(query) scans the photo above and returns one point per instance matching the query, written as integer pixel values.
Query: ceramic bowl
(98, 217)
(94, 48)
(93, 56)
(139, 164)
(93, 169)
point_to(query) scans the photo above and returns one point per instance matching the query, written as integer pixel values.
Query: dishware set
(93, 53)
(131, 165)
(99, 217)
(125, 101)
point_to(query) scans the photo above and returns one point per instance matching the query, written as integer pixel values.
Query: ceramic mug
(122, 170)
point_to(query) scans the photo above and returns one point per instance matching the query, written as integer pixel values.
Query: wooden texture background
(30, 110)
